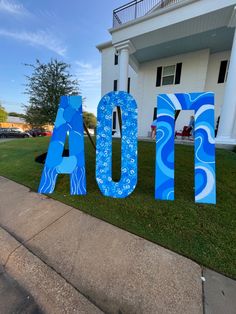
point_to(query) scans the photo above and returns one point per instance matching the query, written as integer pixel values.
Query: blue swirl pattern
(128, 180)
(69, 120)
(204, 144)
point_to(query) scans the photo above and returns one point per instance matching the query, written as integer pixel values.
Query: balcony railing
(138, 8)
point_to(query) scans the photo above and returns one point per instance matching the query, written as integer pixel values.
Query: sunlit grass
(204, 233)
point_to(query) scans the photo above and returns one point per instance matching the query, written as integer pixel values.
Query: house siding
(200, 71)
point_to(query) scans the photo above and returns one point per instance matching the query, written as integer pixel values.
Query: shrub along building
(169, 47)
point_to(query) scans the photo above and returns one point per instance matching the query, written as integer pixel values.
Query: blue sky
(44, 29)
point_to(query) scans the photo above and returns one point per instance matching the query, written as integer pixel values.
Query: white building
(169, 46)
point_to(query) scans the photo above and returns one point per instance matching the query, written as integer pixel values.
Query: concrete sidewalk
(109, 269)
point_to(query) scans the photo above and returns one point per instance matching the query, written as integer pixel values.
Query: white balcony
(139, 8)
(181, 26)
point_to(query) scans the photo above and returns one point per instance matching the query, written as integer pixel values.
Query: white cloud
(39, 38)
(88, 75)
(84, 65)
(12, 7)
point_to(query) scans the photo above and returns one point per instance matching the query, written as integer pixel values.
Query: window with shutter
(128, 86)
(115, 85)
(222, 77)
(116, 60)
(169, 75)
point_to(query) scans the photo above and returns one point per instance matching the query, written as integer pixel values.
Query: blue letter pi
(204, 142)
(69, 121)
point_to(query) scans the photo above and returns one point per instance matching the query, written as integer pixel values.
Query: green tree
(47, 83)
(16, 114)
(3, 114)
(89, 120)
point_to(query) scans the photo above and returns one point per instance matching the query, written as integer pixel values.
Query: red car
(45, 133)
(40, 132)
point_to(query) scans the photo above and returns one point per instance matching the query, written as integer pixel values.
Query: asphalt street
(14, 299)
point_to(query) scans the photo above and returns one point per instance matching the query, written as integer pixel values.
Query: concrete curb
(52, 293)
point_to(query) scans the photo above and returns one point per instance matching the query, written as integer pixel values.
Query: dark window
(154, 114)
(223, 71)
(178, 71)
(116, 59)
(159, 74)
(168, 80)
(128, 87)
(115, 85)
(114, 120)
(168, 75)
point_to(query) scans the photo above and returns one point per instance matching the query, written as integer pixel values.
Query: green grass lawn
(204, 233)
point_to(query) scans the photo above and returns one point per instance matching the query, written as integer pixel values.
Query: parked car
(13, 132)
(39, 132)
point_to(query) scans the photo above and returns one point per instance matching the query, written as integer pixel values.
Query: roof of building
(104, 45)
(11, 119)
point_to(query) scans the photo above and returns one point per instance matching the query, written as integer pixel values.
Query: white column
(123, 69)
(124, 48)
(228, 111)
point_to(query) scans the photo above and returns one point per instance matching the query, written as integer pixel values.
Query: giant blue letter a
(69, 121)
